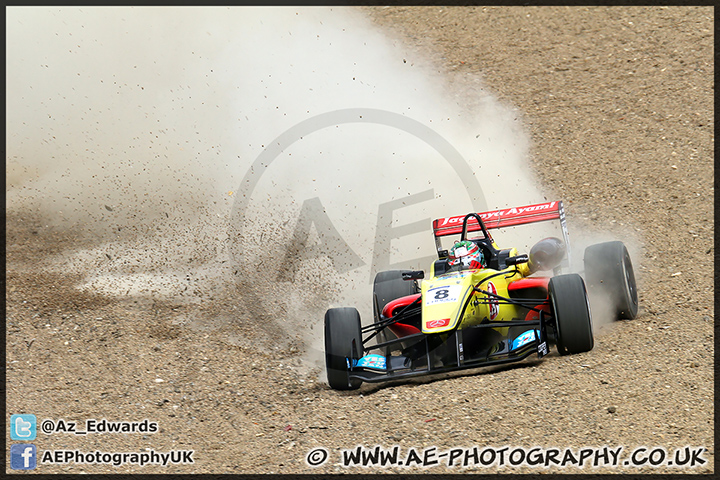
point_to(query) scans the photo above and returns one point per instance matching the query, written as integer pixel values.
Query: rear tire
(609, 272)
(571, 309)
(387, 287)
(343, 341)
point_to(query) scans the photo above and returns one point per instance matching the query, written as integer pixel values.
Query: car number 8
(443, 294)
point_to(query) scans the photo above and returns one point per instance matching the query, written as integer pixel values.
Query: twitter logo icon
(23, 427)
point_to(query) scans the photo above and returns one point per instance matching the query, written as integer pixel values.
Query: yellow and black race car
(480, 305)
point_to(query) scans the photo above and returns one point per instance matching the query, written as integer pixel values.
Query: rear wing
(509, 217)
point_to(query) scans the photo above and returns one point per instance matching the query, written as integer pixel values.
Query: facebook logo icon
(23, 456)
(23, 427)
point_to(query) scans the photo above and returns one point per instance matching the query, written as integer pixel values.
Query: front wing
(429, 354)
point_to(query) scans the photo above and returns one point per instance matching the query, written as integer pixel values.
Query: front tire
(343, 342)
(571, 309)
(609, 272)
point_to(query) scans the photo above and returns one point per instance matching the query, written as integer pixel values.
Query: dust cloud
(136, 126)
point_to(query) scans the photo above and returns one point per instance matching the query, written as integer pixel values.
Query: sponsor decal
(501, 213)
(524, 339)
(437, 323)
(492, 301)
(372, 361)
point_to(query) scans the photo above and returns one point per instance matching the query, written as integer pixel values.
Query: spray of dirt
(135, 127)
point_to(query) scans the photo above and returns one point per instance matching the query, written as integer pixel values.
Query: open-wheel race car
(480, 305)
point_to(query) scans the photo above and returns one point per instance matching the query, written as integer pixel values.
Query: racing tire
(609, 273)
(343, 342)
(388, 286)
(571, 309)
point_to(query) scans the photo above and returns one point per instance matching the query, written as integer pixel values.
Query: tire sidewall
(343, 340)
(611, 277)
(571, 309)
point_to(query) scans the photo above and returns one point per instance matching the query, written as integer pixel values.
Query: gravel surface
(618, 106)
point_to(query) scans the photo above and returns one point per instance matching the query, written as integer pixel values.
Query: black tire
(571, 309)
(387, 287)
(609, 272)
(343, 340)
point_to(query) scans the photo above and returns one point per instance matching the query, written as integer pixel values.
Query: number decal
(442, 294)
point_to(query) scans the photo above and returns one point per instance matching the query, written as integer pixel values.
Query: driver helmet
(467, 253)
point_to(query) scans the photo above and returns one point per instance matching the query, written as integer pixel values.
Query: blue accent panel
(374, 361)
(524, 339)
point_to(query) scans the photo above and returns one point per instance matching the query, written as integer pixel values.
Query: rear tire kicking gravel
(609, 272)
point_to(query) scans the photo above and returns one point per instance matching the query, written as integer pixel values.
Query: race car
(495, 308)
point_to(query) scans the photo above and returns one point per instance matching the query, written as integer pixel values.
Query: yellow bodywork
(450, 298)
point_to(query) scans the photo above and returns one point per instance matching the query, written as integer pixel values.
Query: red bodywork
(400, 329)
(530, 282)
(533, 282)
